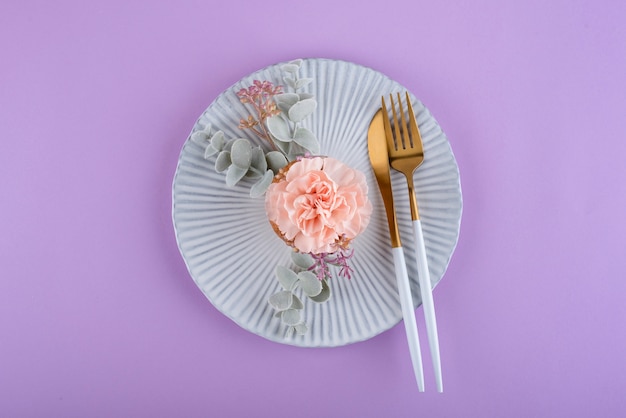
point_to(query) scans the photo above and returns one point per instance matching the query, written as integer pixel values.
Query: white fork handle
(408, 314)
(427, 301)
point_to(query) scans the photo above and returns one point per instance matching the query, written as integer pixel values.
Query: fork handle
(428, 303)
(408, 314)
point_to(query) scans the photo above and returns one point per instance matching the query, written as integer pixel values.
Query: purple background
(98, 314)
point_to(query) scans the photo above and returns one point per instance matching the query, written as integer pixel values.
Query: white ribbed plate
(231, 251)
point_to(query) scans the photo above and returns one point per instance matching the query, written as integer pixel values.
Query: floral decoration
(316, 204)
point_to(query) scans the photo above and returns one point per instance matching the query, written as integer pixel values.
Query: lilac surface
(98, 314)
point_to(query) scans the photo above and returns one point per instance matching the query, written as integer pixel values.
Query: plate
(231, 251)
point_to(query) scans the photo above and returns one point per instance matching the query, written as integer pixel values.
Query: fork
(406, 153)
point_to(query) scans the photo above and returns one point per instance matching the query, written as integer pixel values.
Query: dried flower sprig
(260, 95)
(340, 259)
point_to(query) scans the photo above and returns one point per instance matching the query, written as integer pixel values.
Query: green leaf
(285, 101)
(302, 260)
(284, 147)
(303, 82)
(307, 139)
(253, 173)
(229, 144)
(275, 161)
(297, 303)
(296, 62)
(281, 300)
(324, 294)
(279, 128)
(302, 109)
(290, 82)
(258, 159)
(260, 187)
(291, 317)
(309, 283)
(234, 174)
(209, 151)
(301, 328)
(286, 277)
(241, 153)
(200, 137)
(290, 68)
(258, 164)
(222, 162)
(295, 150)
(290, 331)
(218, 140)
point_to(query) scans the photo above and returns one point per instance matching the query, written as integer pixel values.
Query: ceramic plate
(231, 251)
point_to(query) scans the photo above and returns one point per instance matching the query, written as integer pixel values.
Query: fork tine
(415, 132)
(406, 140)
(399, 141)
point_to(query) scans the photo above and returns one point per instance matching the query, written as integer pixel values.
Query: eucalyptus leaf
(209, 151)
(290, 331)
(284, 147)
(229, 144)
(302, 260)
(286, 277)
(222, 162)
(281, 300)
(218, 140)
(303, 82)
(279, 128)
(301, 328)
(261, 186)
(200, 137)
(307, 140)
(309, 283)
(290, 81)
(241, 153)
(296, 303)
(234, 174)
(258, 165)
(286, 100)
(253, 173)
(275, 160)
(296, 62)
(258, 159)
(324, 294)
(291, 317)
(216, 144)
(295, 151)
(302, 109)
(290, 68)
(303, 96)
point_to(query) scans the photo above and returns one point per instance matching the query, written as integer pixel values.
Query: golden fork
(406, 153)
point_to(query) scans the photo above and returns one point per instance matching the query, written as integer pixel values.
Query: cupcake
(318, 205)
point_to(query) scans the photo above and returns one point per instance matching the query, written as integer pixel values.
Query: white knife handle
(408, 314)
(428, 303)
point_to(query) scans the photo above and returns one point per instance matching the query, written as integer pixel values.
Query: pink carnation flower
(319, 205)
